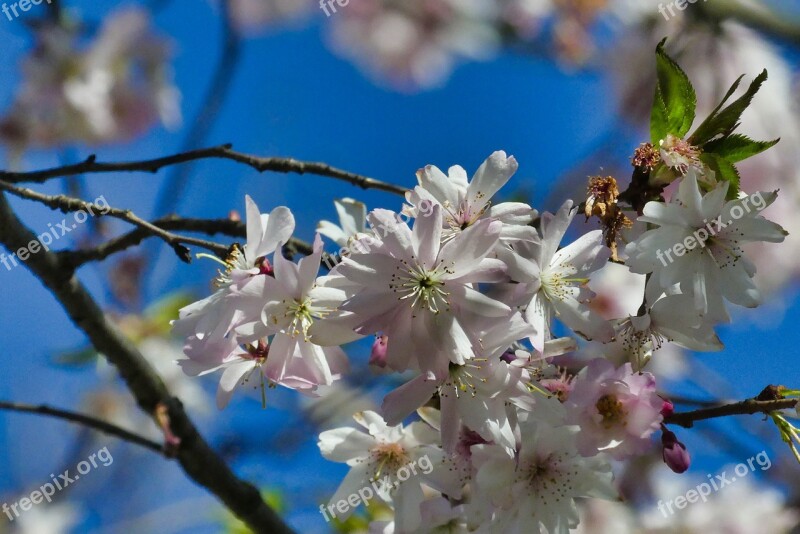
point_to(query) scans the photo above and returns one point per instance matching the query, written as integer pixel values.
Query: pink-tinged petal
(399, 327)
(754, 229)
(395, 234)
(368, 269)
(451, 420)
(495, 472)
(281, 351)
(514, 232)
(372, 421)
(489, 270)
(583, 321)
(493, 174)
(255, 232)
(334, 331)
(466, 250)
(332, 232)
(356, 479)
(427, 236)
(583, 256)
(691, 198)
(193, 368)
(287, 274)
(407, 500)
(279, 229)
(314, 356)
(553, 229)
(345, 444)
(402, 402)
(663, 214)
(539, 314)
(522, 267)
(308, 268)
(513, 213)
(437, 185)
(476, 302)
(352, 215)
(454, 341)
(231, 378)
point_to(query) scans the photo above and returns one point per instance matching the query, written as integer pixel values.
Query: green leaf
(75, 358)
(166, 309)
(723, 123)
(724, 171)
(675, 101)
(738, 147)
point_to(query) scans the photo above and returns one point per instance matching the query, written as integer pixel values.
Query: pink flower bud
(379, 348)
(674, 453)
(667, 408)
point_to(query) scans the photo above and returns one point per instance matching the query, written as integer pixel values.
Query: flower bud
(379, 348)
(674, 453)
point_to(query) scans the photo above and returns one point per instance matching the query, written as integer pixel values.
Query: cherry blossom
(617, 410)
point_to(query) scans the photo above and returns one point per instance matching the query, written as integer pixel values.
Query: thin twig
(70, 204)
(746, 407)
(84, 420)
(281, 165)
(76, 258)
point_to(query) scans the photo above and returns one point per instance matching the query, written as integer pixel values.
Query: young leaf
(724, 170)
(738, 147)
(724, 122)
(675, 100)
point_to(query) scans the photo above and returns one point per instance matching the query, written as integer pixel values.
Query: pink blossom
(617, 410)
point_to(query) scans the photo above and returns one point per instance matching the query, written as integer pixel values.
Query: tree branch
(746, 407)
(85, 420)
(198, 460)
(281, 165)
(70, 204)
(76, 258)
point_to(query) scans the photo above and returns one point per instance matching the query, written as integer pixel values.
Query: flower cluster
(466, 294)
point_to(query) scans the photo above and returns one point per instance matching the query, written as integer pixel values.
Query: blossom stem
(746, 407)
(85, 420)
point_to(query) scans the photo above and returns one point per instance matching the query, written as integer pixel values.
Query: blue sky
(292, 97)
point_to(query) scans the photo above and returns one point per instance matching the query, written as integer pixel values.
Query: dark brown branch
(197, 458)
(76, 258)
(281, 165)
(747, 407)
(70, 204)
(84, 420)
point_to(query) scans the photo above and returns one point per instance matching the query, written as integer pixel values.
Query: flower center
(612, 411)
(556, 286)
(391, 456)
(461, 380)
(302, 316)
(425, 288)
